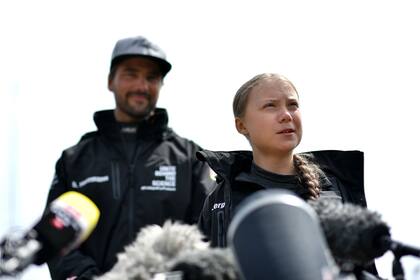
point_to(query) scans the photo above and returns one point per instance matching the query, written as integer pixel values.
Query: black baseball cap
(139, 46)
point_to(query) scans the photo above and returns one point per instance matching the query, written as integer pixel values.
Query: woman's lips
(287, 130)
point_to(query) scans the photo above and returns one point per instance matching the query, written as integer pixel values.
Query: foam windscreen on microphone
(210, 264)
(354, 233)
(276, 235)
(154, 251)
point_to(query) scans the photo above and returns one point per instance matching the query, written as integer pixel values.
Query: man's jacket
(161, 180)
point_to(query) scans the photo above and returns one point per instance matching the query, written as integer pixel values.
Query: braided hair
(309, 174)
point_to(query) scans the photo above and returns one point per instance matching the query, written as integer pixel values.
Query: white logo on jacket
(164, 180)
(89, 180)
(218, 206)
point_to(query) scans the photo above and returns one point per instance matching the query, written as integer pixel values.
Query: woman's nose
(285, 116)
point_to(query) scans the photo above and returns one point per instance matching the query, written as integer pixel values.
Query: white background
(355, 64)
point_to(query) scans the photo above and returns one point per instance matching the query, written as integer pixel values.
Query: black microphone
(66, 223)
(356, 234)
(276, 235)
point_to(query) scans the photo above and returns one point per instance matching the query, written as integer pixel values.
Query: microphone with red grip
(67, 222)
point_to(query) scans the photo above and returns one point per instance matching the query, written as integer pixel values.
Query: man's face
(136, 85)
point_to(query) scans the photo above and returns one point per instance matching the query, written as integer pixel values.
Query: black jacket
(161, 180)
(344, 171)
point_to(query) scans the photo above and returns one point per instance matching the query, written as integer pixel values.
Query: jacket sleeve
(213, 226)
(74, 263)
(348, 168)
(204, 221)
(201, 185)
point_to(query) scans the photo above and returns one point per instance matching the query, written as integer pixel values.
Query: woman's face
(272, 120)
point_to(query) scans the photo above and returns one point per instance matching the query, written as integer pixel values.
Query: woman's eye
(268, 105)
(294, 104)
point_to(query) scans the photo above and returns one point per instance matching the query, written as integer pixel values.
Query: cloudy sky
(355, 64)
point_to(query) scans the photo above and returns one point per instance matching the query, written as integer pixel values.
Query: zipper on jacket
(115, 177)
(221, 239)
(131, 161)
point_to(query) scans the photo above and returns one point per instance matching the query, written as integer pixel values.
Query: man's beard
(135, 112)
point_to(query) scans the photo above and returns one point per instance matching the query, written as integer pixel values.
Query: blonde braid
(309, 174)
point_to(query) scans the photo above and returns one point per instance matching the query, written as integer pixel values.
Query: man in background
(135, 168)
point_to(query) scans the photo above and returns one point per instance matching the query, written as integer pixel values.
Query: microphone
(276, 235)
(210, 264)
(355, 234)
(174, 251)
(66, 223)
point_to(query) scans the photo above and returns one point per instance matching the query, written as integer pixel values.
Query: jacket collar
(346, 166)
(154, 127)
(227, 164)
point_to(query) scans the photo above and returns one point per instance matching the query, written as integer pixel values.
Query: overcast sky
(355, 65)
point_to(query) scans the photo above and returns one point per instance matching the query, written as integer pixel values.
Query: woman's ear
(240, 127)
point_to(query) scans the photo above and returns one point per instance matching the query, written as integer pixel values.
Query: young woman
(267, 113)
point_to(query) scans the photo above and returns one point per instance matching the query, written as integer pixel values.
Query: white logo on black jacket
(218, 206)
(164, 179)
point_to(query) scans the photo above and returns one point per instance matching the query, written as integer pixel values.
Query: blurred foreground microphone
(353, 233)
(356, 234)
(67, 222)
(276, 235)
(210, 264)
(174, 251)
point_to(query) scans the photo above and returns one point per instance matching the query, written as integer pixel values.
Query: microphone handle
(399, 249)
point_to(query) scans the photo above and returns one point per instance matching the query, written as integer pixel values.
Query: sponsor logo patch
(89, 180)
(164, 179)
